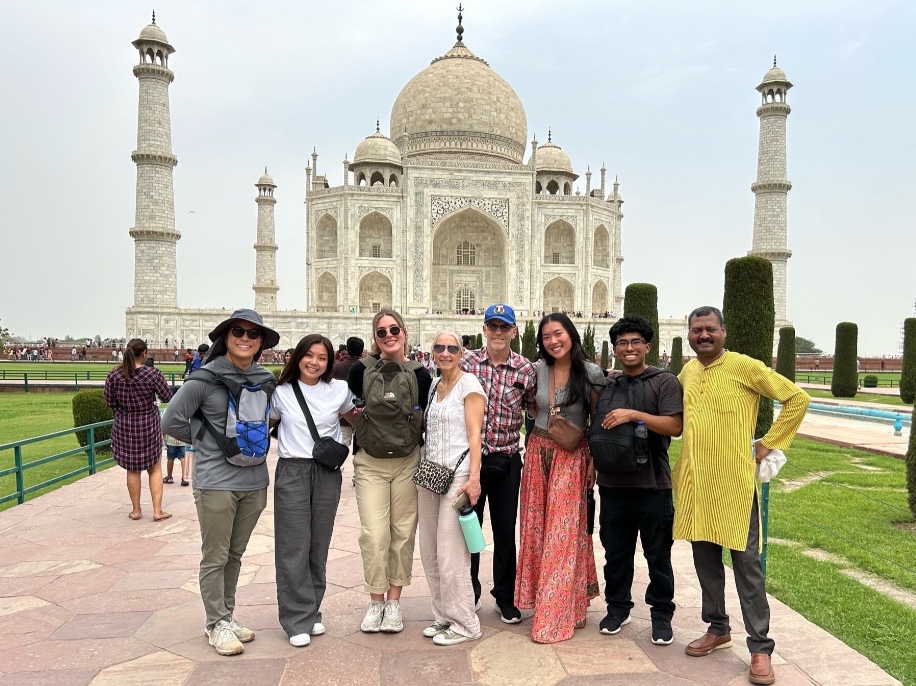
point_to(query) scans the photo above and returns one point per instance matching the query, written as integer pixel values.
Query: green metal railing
(825, 380)
(19, 468)
(75, 377)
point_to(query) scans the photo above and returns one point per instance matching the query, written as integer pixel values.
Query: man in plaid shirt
(508, 379)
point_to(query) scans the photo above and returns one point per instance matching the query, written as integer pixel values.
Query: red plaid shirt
(510, 389)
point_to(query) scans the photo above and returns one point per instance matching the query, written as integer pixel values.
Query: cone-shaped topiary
(588, 343)
(911, 466)
(642, 299)
(750, 316)
(908, 377)
(604, 351)
(529, 341)
(845, 368)
(677, 355)
(785, 353)
(89, 408)
(516, 344)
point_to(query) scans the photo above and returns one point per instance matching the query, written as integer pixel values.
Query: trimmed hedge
(750, 317)
(785, 353)
(604, 354)
(529, 341)
(516, 345)
(588, 343)
(677, 355)
(89, 408)
(911, 466)
(908, 376)
(845, 380)
(642, 299)
(870, 381)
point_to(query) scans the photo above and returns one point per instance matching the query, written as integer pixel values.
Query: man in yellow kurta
(715, 482)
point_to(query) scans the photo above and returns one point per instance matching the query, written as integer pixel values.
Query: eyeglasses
(238, 332)
(381, 332)
(505, 328)
(440, 348)
(636, 342)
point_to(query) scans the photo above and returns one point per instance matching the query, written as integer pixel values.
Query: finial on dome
(377, 126)
(549, 135)
(265, 168)
(154, 17)
(774, 60)
(459, 29)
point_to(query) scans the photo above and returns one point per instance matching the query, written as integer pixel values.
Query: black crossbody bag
(327, 452)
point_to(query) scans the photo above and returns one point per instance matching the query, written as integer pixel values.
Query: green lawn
(856, 511)
(860, 397)
(809, 376)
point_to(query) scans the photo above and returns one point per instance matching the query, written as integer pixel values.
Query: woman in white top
(305, 494)
(453, 425)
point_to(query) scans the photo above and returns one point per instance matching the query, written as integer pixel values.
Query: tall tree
(911, 465)
(908, 377)
(750, 316)
(677, 355)
(642, 299)
(529, 341)
(845, 379)
(588, 343)
(516, 344)
(805, 346)
(785, 353)
(604, 352)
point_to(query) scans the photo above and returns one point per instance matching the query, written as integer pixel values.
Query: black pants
(501, 491)
(626, 512)
(755, 609)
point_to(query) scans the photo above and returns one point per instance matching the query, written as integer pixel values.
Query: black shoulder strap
(304, 406)
(206, 426)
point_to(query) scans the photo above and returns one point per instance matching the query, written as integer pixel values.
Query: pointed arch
(375, 236)
(558, 295)
(559, 243)
(326, 237)
(374, 292)
(599, 298)
(601, 248)
(326, 293)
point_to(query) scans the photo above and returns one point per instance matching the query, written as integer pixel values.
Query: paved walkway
(88, 596)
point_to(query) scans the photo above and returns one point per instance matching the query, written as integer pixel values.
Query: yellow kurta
(715, 477)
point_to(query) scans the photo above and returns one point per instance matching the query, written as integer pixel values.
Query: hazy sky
(662, 92)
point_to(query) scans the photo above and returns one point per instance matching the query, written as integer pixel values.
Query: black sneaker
(661, 631)
(508, 613)
(611, 624)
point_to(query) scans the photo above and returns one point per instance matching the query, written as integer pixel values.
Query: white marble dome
(552, 158)
(459, 106)
(377, 149)
(775, 74)
(153, 33)
(266, 180)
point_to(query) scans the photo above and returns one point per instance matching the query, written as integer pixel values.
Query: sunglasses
(382, 331)
(505, 328)
(440, 348)
(238, 332)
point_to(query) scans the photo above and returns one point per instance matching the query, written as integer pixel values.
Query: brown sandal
(168, 480)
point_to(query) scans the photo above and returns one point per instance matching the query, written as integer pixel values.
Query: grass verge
(861, 397)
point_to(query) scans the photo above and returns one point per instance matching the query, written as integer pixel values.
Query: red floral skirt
(556, 566)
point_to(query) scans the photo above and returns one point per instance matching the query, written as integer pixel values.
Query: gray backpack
(391, 425)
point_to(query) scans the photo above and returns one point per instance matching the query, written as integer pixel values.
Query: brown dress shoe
(707, 643)
(761, 669)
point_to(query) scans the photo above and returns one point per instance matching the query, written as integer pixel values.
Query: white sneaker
(224, 640)
(393, 622)
(372, 622)
(450, 638)
(317, 629)
(243, 634)
(435, 628)
(300, 640)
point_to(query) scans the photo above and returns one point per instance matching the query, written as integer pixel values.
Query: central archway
(468, 256)
(558, 295)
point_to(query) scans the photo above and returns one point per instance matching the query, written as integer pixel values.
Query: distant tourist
(715, 484)
(136, 438)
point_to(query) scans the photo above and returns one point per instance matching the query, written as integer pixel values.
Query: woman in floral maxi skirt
(556, 568)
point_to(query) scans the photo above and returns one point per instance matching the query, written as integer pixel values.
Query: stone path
(88, 596)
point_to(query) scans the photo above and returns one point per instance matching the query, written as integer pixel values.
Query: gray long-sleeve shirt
(211, 470)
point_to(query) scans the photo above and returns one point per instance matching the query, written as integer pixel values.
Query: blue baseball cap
(503, 313)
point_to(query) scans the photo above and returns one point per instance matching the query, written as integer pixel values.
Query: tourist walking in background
(306, 494)
(342, 368)
(635, 481)
(454, 417)
(393, 393)
(508, 381)
(556, 567)
(715, 482)
(175, 450)
(230, 490)
(136, 437)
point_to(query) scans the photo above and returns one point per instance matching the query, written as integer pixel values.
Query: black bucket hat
(269, 337)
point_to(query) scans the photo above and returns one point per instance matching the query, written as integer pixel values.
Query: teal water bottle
(470, 527)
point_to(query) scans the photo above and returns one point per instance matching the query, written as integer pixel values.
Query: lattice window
(466, 299)
(467, 254)
(376, 250)
(555, 258)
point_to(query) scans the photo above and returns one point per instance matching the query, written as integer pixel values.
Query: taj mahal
(438, 219)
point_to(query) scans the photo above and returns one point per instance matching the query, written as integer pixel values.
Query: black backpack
(614, 450)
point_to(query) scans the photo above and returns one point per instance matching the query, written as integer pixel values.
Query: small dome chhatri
(266, 179)
(774, 75)
(551, 158)
(376, 149)
(153, 32)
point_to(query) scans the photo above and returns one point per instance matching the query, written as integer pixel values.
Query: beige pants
(387, 501)
(446, 560)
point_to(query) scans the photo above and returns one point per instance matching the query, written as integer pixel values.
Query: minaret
(154, 233)
(772, 187)
(265, 277)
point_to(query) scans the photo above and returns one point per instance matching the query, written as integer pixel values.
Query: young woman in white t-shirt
(453, 424)
(305, 494)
